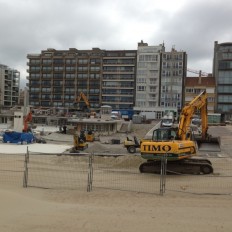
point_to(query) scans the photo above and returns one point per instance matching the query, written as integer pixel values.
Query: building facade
(58, 77)
(159, 80)
(9, 86)
(173, 73)
(118, 79)
(148, 76)
(222, 70)
(195, 85)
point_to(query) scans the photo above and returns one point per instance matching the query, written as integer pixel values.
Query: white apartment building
(159, 80)
(148, 77)
(173, 73)
(9, 86)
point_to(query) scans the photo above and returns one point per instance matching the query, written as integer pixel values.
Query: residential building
(118, 79)
(222, 70)
(159, 79)
(24, 97)
(9, 86)
(58, 77)
(173, 73)
(195, 85)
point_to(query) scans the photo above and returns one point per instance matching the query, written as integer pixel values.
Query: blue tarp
(18, 137)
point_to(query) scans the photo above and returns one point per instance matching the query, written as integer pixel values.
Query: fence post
(163, 174)
(25, 176)
(90, 173)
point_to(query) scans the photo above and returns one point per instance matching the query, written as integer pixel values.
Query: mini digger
(179, 145)
(79, 141)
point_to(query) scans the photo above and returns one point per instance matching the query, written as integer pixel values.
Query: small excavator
(79, 142)
(179, 145)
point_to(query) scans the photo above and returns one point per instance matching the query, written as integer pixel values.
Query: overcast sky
(29, 26)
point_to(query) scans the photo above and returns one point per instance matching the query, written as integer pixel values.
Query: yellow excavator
(85, 108)
(179, 144)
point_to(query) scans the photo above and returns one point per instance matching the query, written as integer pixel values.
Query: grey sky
(29, 26)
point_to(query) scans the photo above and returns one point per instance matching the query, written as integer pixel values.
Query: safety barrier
(88, 172)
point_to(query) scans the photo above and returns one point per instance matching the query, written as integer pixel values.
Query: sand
(101, 210)
(26, 210)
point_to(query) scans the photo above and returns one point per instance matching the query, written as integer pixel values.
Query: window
(46, 90)
(82, 75)
(47, 75)
(70, 68)
(58, 68)
(83, 61)
(82, 68)
(148, 58)
(94, 68)
(35, 61)
(69, 76)
(141, 88)
(47, 61)
(152, 89)
(70, 61)
(35, 75)
(58, 61)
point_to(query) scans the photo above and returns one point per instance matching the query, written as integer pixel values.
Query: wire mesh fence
(12, 169)
(122, 173)
(58, 171)
(219, 182)
(88, 172)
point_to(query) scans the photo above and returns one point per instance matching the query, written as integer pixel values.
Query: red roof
(199, 81)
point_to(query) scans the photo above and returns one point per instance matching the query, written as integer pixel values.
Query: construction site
(102, 167)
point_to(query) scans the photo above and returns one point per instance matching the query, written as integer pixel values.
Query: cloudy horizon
(190, 26)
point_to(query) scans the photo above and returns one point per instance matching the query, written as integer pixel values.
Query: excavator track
(186, 166)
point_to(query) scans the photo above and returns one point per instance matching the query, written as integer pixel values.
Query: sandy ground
(34, 209)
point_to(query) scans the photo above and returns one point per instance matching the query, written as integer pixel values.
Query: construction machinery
(85, 108)
(26, 121)
(179, 145)
(79, 142)
(131, 145)
(90, 136)
(86, 101)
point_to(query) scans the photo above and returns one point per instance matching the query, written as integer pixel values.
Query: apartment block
(173, 73)
(9, 86)
(148, 76)
(222, 70)
(57, 77)
(160, 79)
(195, 85)
(118, 79)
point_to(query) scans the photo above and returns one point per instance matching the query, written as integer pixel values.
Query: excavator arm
(27, 119)
(198, 103)
(84, 98)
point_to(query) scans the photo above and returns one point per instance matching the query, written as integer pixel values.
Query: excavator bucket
(211, 144)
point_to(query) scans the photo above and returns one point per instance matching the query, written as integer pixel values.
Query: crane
(199, 72)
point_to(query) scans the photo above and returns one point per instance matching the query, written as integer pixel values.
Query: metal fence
(89, 172)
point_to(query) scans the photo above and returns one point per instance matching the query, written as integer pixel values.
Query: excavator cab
(164, 134)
